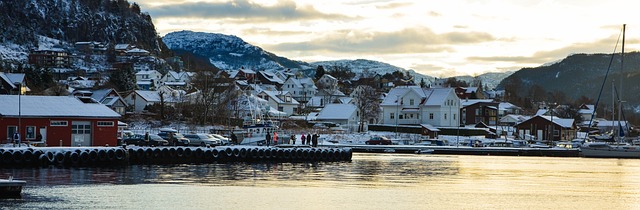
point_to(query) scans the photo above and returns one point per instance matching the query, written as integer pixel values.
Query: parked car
(223, 140)
(138, 139)
(180, 140)
(201, 139)
(379, 140)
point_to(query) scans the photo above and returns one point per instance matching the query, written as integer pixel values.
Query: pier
(21, 157)
(452, 150)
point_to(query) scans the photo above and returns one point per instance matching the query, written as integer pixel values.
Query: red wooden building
(57, 121)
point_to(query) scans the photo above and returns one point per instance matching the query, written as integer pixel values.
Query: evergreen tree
(123, 79)
(319, 72)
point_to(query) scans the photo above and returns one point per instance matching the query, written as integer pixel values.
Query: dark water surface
(370, 181)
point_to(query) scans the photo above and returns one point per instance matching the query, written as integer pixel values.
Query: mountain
(227, 52)
(366, 67)
(24, 23)
(490, 79)
(579, 75)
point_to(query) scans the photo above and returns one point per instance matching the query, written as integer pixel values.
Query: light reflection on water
(370, 181)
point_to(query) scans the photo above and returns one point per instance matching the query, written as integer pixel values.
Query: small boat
(424, 151)
(605, 150)
(11, 188)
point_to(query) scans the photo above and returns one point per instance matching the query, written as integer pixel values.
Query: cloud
(600, 46)
(410, 40)
(394, 5)
(240, 9)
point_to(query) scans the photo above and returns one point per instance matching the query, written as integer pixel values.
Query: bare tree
(215, 90)
(367, 104)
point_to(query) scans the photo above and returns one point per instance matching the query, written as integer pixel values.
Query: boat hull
(610, 153)
(11, 188)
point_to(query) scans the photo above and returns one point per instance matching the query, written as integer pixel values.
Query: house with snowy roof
(413, 105)
(283, 101)
(148, 80)
(513, 119)
(474, 111)
(545, 128)
(269, 77)
(180, 80)
(326, 96)
(121, 49)
(345, 115)
(587, 111)
(8, 83)
(140, 99)
(57, 121)
(327, 82)
(137, 52)
(302, 89)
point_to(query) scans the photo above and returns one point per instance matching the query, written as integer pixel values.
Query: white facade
(412, 105)
(283, 101)
(301, 89)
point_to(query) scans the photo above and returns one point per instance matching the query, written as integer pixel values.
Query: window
(477, 111)
(445, 116)
(80, 129)
(59, 123)
(105, 123)
(400, 117)
(281, 109)
(11, 130)
(30, 132)
(431, 116)
(411, 102)
(392, 115)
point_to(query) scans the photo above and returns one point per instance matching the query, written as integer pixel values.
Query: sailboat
(605, 149)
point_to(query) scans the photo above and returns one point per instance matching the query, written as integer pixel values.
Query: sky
(438, 38)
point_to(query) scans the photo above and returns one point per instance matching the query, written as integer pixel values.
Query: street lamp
(19, 85)
(397, 113)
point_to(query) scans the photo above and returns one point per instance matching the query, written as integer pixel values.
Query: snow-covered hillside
(365, 67)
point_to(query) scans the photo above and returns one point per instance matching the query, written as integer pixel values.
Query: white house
(412, 105)
(148, 80)
(283, 101)
(346, 115)
(177, 79)
(301, 89)
(141, 98)
(327, 82)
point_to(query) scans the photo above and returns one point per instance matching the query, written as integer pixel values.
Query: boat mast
(621, 79)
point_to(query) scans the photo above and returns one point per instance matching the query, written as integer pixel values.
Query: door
(80, 133)
(43, 133)
(540, 135)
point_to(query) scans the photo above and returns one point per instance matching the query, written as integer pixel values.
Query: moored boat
(11, 188)
(604, 150)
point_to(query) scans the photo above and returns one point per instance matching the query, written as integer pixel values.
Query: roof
(98, 95)
(274, 95)
(469, 102)
(430, 127)
(434, 96)
(52, 106)
(562, 122)
(337, 112)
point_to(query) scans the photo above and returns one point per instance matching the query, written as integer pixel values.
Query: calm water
(370, 181)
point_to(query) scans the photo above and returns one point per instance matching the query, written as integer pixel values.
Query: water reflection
(402, 181)
(392, 169)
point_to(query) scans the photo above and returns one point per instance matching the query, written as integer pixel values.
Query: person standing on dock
(315, 140)
(234, 138)
(292, 140)
(16, 139)
(303, 138)
(268, 138)
(275, 138)
(146, 138)
(308, 139)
